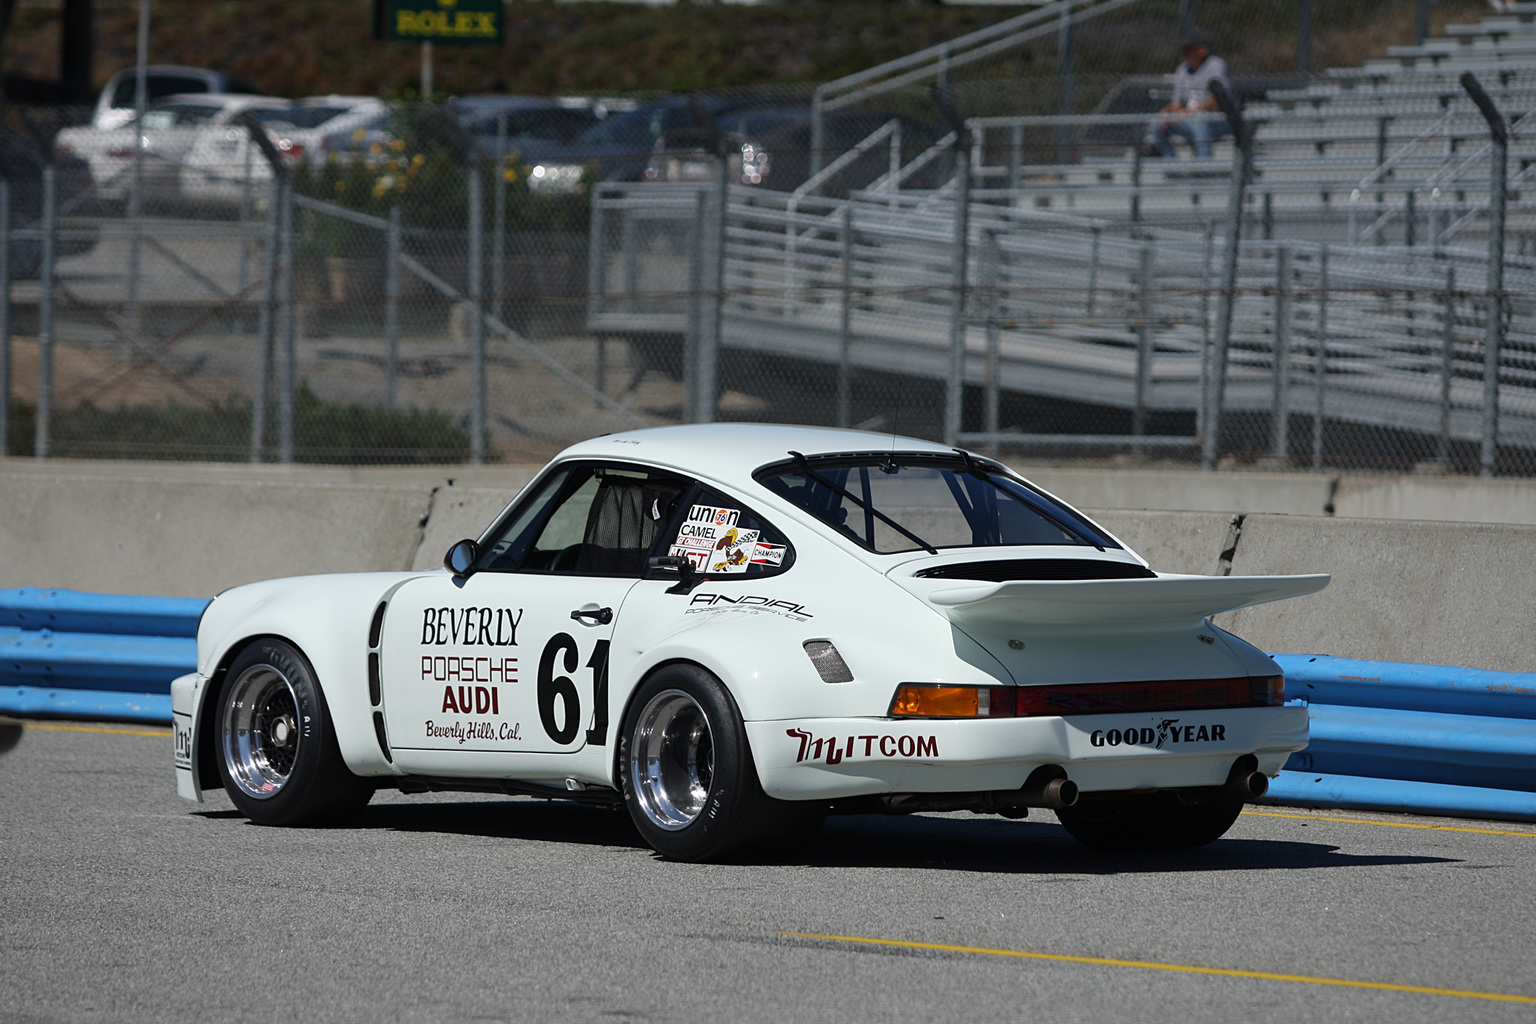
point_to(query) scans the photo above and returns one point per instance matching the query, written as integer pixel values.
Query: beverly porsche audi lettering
(733, 647)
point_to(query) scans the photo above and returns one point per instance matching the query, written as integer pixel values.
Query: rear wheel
(689, 781)
(277, 750)
(1150, 821)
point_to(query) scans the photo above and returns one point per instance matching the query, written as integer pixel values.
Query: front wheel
(277, 750)
(1150, 821)
(689, 781)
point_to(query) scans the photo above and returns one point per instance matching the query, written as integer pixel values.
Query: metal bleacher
(1362, 273)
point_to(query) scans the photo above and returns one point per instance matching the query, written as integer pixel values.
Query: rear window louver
(1005, 570)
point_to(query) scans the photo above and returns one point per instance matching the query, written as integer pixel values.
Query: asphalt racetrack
(124, 903)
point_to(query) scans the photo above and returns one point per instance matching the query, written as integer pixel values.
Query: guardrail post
(392, 305)
(1280, 421)
(1242, 160)
(845, 325)
(476, 313)
(1143, 340)
(818, 131)
(41, 446)
(1447, 362)
(288, 317)
(1421, 23)
(1498, 130)
(5, 318)
(1304, 40)
(1015, 155)
(1320, 366)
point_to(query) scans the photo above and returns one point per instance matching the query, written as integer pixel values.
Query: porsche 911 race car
(734, 630)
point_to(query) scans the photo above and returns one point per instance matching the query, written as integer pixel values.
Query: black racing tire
(1150, 821)
(276, 746)
(688, 777)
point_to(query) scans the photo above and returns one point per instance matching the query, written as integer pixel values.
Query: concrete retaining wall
(1437, 593)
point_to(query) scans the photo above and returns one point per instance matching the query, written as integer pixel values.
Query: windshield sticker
(710, 540)
(768, 554)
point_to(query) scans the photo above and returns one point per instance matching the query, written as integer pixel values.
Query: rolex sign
(438, 21)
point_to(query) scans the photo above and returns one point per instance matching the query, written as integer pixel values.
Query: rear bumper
(829, 758)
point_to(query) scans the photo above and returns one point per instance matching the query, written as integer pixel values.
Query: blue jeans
(1200, 132)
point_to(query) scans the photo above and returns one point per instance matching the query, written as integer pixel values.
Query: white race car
(736, 629)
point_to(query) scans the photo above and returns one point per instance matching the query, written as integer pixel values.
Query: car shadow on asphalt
(998, 846)
(944, 842)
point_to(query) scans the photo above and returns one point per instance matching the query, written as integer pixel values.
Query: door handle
(599, 616)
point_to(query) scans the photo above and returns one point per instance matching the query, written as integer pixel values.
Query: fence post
(1447, 363)
(5, 318)
(1064, 83)
(1242, 159)
(1304, 40)
(392, 306)
(713, 241)
(845, 327)
(1093, 269)
(693, 338)
(1143, 340)
(1015, 155)
(818, 130)
(1498, 129)
(476, 315)
(499, 219)
(1421, 23)
(266, 319)
(954, 386)
(992, 282)
(1186, 18)
(1320, 367)
(288, 317)
(1205, 327)
(1280, 420)
(42, 445)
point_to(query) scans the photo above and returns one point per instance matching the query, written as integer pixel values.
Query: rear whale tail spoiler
(1159, 603)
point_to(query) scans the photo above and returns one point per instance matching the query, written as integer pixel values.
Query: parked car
(21, 165)
(510, 124)
(771, 149)
(732, 630)
(117, 102)
(621, 147)
(170, 130)
(224, 168)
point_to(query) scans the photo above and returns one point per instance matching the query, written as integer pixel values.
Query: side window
(588, 520)
(722, 537)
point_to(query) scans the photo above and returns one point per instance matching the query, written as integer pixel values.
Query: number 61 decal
(562, 726)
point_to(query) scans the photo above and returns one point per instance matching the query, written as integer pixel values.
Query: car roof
(729, 453)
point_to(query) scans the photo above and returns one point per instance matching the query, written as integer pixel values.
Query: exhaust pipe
(1245, 780)
(1048, 786)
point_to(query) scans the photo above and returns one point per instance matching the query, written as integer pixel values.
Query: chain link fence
(1021, 275)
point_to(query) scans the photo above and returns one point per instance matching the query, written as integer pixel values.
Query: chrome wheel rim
(261, 731)
(672, 760)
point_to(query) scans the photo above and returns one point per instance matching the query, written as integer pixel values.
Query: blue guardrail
(1386, 736)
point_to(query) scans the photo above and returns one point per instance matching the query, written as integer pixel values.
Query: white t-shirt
(1190, 87)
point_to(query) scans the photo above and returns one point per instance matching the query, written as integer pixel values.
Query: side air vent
(378, 730)
(377, 627)
(1038, 569)
(374, 695)
(829, 664)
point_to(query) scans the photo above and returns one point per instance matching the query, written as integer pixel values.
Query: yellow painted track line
(165, 733)
(1391, 824)
(1148, 965)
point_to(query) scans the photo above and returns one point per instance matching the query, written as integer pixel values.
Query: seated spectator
(1191, 98)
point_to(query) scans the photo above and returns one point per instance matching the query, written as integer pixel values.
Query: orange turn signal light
(915, 700)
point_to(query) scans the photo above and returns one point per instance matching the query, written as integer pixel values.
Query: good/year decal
(711, 540)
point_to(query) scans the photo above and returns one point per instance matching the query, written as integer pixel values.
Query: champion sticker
(768, 554)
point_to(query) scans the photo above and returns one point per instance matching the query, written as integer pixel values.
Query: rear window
(156, 87)
(913, 502)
